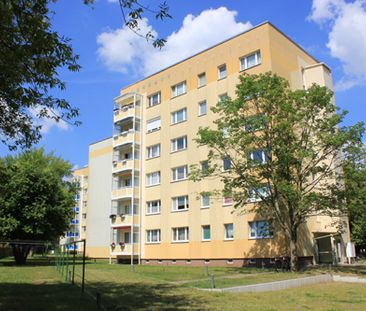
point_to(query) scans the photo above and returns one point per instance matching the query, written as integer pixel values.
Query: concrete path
(348, 279)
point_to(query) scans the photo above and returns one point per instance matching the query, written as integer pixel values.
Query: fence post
(99, 301)
(67, 262)
(73, 265)
(212, 281)
(83, 273)
(206, 270)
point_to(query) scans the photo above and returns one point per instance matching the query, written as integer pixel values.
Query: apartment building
(156, 215)
(77, 229)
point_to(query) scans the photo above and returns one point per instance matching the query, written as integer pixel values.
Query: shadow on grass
(38, 261)
(14, 297)
(144, 296)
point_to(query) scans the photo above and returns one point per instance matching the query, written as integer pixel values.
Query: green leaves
(36, 198)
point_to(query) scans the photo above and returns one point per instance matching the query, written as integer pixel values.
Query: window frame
(226, 238)
(203, 74)
(258, 60)
(174, 119)
(200, 104)
(174, 144)
(226, 160)
(175, 203)
(203, 227)
(174, 92)
(205, 195)
(255, 229)
(149, 236)
(175, 234)
(253, 199)
(154, 129)
(148, 179)
(148, 151)
(149, 206)
(219, 77)
(151, 97)
(175, 173)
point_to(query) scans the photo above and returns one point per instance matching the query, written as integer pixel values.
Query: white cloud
(46, 123)
(122, 50)
(347, 36)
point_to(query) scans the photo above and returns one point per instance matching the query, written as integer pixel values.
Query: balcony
(123, 249)
(123, 193)
(74, 221)
(123, 220)
(126, 137)
(125, 112)
(125, 165)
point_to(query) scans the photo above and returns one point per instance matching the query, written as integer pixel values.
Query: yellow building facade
(156, 215)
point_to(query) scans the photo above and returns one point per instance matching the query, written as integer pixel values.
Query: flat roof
(99, 141)
(222, 42)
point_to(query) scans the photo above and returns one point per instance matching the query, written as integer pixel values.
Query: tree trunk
(20, 253)
(293, 253)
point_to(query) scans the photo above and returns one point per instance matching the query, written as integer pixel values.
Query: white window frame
(220, 76)
(252, 194)
(150, 177)
(200, 105)
(175, 203)
(225, 159)
(175, 173)
(150, 153)
(227, 203)
(264, 155)
(244, 60)
(226, 237)
(174, 116)
(150, 205)
(152, 97)
(176, 234)
(203, 232)
(201, 76)
(254, 227)
(174, 144)
(151, 238)
(203, 205)
(175, 89)
(153, 129)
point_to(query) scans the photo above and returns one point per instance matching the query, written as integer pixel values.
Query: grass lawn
(39, 287)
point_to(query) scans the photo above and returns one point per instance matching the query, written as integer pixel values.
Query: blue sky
(111, 57)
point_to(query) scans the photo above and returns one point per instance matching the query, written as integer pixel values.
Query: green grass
(38, 286)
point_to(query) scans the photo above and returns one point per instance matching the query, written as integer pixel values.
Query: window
(180, 234)
(250, 60)
(153, 124)
(179, 89)
(223, 97)
(153, 207)
(202, 108)
(205, 200)
(228, 200)
(127, 237)
(204, 167)
(153, 151)
(259, 156)
(153, 179)
(84, 215)
(153, 236)
(229, 231)
(201, 79)
(260, 230)
(180, 203)
(206, 233)
(154, 99)
(222, 72)
(226, 163)
(83, 228)
(179, 116)
(179, 173)
(179, 143)
(258, 193)
(254, 123)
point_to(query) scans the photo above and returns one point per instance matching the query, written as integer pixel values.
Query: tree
(36, 199)
(284, 149)
(31, 53)
(355, 192)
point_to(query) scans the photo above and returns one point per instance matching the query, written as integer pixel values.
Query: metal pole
(212, 281)
(206, 270)
(83, 273)
(73, 265)
(67, 261)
